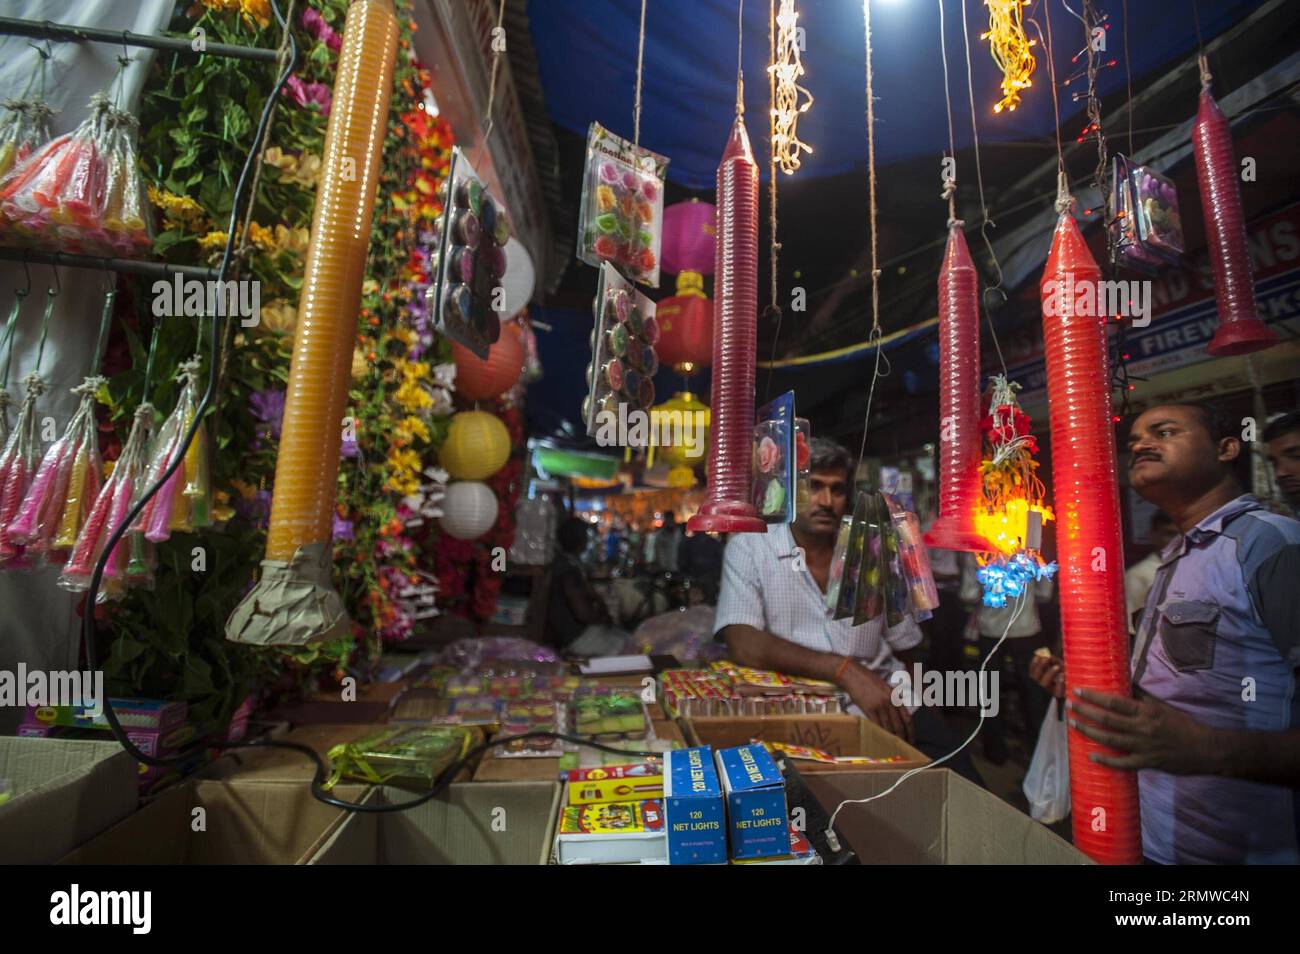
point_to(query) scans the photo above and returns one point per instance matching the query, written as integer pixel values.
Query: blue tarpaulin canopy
(587, 51)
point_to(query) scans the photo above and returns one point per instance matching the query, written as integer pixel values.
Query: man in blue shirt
(1213, 729)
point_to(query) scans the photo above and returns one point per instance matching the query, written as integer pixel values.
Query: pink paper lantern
(689, 230)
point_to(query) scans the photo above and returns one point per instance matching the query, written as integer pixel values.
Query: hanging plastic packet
(39, 515)
(24, 128)
(774, 460)
(914, 559)
(897, 589)
(1146, 230)
(466, 297)
(84, 482)
(17, 470)
(872, 576)
(56, 198)
(620, 377)
(170, 508)
(126, 229)
(847, 592)
(109, 511)
(839, 559)
(622, 206)
(802, 458)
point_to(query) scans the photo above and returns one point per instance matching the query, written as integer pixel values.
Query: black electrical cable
(218, 330)
(444, 778)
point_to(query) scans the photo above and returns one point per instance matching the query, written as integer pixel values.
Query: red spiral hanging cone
(728, 508)
(960, 491)
(1240, 329)
(1086, 490)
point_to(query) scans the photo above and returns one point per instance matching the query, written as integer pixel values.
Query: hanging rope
(1128, 79)
(740, 71)
(985, 221)
(949, 182)
(640, 56)
(874, 337)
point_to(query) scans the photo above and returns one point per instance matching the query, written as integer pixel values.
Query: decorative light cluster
(786, 69)
(1009, 578)
(1008, 527)
(1010, 48)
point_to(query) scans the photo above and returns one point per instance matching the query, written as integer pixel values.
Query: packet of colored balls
(621, 219)
(403, 755)
(466, 298)
(774, 460)
(620, 377)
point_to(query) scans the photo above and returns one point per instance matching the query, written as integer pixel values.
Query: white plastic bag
(1047, 784)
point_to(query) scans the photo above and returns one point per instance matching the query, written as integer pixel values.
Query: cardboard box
(936, 817)
(840, 735)
(251, 823)
(617, 783)
(63, 792)
(755, 792)
(254, 764)
(697, 821)
(469, 824)
(628, 832)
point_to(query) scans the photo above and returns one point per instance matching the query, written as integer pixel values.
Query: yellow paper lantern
(477, 445)
(680, 431)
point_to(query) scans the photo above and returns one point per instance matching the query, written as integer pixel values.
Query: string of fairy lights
(790, 100)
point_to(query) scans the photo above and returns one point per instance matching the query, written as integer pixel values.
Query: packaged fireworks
(914, 559)
(774, 460)
(466, 297)
(620, 378)
(847, 558)
(609, 712)
(877, 540)
(1146, 230)
(406, 756)
(538, 714)
(622, 206)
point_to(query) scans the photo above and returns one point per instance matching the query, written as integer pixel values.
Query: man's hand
(1153, 734)
(874, 697)
(1048, 672)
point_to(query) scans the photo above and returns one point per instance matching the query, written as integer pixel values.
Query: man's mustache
(823, 512)
(1144, 455)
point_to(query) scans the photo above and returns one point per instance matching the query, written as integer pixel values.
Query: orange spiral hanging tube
(294, 602)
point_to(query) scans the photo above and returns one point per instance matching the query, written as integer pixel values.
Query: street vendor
(1213, 730)
(772, 613)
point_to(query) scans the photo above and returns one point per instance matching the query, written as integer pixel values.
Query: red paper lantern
(686, 326)
(480, 380)
(688, 237)
(1091, 555)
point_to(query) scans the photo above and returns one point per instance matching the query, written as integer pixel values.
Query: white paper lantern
(520, 277)
(469, 509)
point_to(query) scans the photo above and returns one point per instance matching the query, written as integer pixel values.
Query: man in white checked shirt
(772, 613)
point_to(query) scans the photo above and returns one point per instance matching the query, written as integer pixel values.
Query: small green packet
(411, 756)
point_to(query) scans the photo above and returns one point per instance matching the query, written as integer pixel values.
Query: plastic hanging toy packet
(170, 509)
(469, 260)
(24, 128)
(620, 377)
(84, 482)
(775, 470)
(873, 576)
(17, 470)
(914, 559)
(621, 218)
(109, 511)
(38, 517)
(56, 198)
(127, 229)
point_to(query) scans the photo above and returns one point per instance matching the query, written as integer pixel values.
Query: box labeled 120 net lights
(697, 823)
(755, 796)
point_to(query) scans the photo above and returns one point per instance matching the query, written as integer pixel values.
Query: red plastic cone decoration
(1086, 489)
(960, 487)
(1240, 329)
(728, 508)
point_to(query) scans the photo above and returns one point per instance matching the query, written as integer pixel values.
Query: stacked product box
(755, 796)
(156, 728)
(693, 808)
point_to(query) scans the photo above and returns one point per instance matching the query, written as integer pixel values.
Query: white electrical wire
(831, 838)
